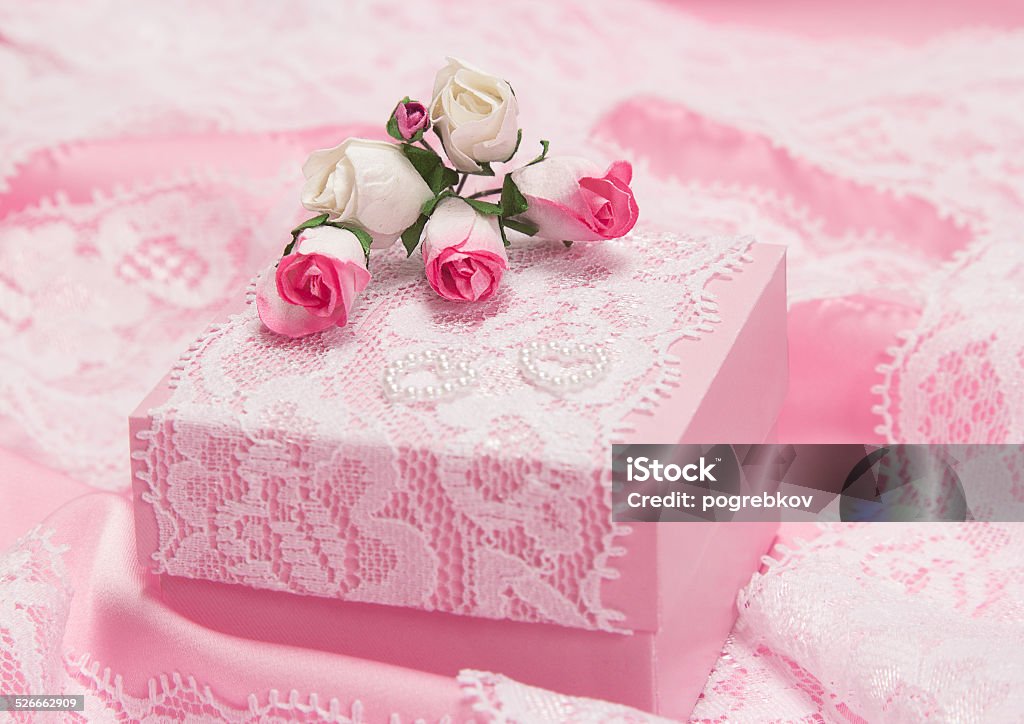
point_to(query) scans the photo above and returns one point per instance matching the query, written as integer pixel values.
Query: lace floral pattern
(35, 602)
(34, 598)
(956, 377)
(285, 465)
(908, 633)
(933, 123)
(150, 267)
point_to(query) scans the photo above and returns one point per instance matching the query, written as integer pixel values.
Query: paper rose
(314, 286)
(368, 183)
(476, 115)
(408, 121)
(571, 199)
(369, 193)
(463, 252)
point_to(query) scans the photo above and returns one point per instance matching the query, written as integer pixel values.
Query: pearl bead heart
(563, 366)
(453, 378)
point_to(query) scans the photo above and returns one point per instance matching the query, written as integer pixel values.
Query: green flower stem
(462, 183)
(481, 194)
(423, 142)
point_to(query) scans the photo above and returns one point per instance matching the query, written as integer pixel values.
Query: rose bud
(367, 183)
(571, 200)
(476, 115)
(408, 121)
(463, 252)
(315, 285)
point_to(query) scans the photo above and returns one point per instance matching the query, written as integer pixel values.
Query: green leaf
(504, 236)
(411, 236)
(484, 207)
(519, 139)
(449, 177)
(392, 126)
(522, 226)
(543, 154)
(430, 167)
(568, 244)
(513, 202)
(307, 224)
(310, 224)
(428, 206)
(485, 169)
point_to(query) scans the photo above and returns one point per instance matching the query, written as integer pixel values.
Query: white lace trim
(174, 697)
(504, 701)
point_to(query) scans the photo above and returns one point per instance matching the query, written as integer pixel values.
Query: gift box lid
(454, 457)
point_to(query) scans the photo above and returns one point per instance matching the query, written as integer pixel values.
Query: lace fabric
(936, 122)
(34, 600)
(907, 633)
(932, 123)
(143, 270)
(500, 699)
(177, 698)
(285, 464)
(35, 603)
(956, 376)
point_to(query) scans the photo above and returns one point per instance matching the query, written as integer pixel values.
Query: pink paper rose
(411, 118)
(315, 285)
(463, 252)
(571, 200)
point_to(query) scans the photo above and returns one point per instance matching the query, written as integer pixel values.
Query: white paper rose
(368, 183)
(476, 115)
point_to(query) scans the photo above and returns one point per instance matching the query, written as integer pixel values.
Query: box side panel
(698, 606)
(573, 661)
(734, 381)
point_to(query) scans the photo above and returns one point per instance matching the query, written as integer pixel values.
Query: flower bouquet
(368, 194)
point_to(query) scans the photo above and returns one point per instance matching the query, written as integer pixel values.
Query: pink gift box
(248, 490)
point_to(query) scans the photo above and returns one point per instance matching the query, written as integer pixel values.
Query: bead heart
(563, 366)
(451, 378)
